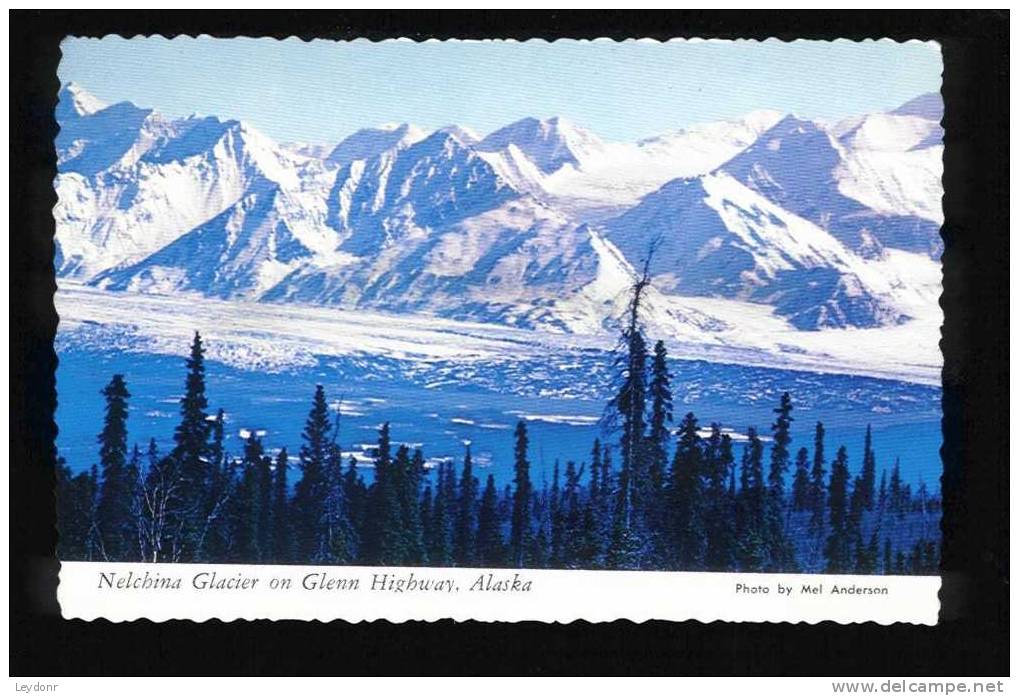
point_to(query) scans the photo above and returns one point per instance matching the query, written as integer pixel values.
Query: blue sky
(322, 91)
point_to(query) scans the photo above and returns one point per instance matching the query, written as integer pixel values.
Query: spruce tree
(780, 449)
(630, 402)
(282, 551)
(660, 391)
(572, 517)
(244, 514)
(440, 536)
(801, 481)
(594, 490)
(410, 502)
(751, 539)
(190, 450)
(384, 539)
(427, 524)
(868, 473)
(75, 505)
(355, 493)
(114, 518)
(817, 486)
(263, 506)
(780, 549)
(855, 519)
(522, 491)
(686, 528)
(490, 552)
(838, 549)
(718, 508)
(310, 491)
(556, 520)
(466, 515)
(895, 490)
(595, 520)
(337, 540)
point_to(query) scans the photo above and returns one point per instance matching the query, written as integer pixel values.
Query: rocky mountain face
(539, 224)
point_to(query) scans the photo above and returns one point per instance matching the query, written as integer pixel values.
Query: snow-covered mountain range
(541, 224)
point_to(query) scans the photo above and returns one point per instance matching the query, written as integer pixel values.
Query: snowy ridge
(801, 227)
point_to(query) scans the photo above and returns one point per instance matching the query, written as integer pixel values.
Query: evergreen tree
(355, 493)
(263, 508)
(780, 449)
(190, 455)
(751, 543)
(466, 514)
(608, 482)
(594, 490)
(595, 520)
(384, 543)
(114, 518)
(868, 473)
(243, 515)
(817, 487)
(660, 391)
(686, 530)
(427, 523)
(75, 505)
(801, 481)
(572, 517)
(630, 402)
(855, 519)
(213, 535)
(838, 548)
(440, 536)
(556, 521)
(887, 565)
(410, 501)
(520, 522)
(538, 548)
(337, 541)
(282, 551)
(780, 550)
(490, 552)
(718, 507)
(310, 493)
(895, 491)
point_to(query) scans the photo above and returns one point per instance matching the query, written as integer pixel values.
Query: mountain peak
(550, 143)
(464, 135)
(929, 106)
(368, 143)
(75, 100)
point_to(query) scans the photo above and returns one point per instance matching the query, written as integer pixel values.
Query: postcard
(499, 330)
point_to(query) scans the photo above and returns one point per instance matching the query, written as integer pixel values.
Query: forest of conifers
(660, 495)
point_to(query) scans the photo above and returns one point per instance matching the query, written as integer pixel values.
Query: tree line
(679, 497)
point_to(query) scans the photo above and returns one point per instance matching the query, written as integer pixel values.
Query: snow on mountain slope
(929, 106)
(551, 144)
(131, 182)
(786, 223)
(369, 143)
(240, 253)
(602, 178)
(75, 102)
(715, 237)
(804, 168)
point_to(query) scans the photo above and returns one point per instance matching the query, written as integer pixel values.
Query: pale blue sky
(323, 90)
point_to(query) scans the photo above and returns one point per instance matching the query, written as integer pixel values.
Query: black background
(972, 636)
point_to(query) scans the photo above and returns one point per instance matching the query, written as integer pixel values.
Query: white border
(119, 592)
